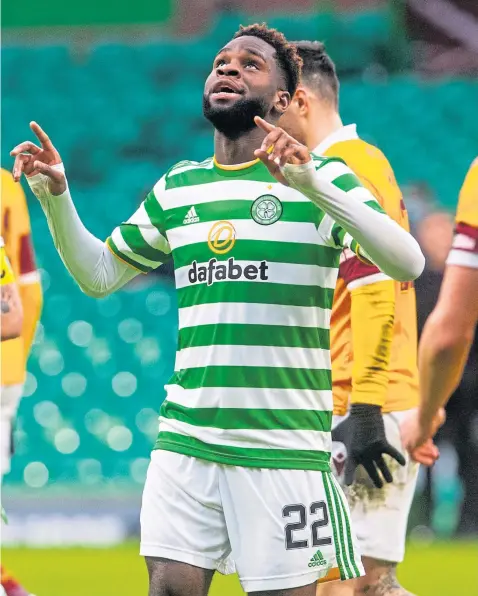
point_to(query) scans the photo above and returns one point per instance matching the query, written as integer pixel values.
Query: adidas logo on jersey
(317, 560)
(215, 270)
(191, 216)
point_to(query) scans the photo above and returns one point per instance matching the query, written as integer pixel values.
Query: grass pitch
(440, 569)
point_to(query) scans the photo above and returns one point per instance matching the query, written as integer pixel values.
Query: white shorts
(380, 515)
(282, 528)
(10, 396)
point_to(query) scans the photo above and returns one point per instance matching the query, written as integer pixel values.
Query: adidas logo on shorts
(317, 560)
(191, 216)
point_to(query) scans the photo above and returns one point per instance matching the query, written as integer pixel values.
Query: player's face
(245, 81)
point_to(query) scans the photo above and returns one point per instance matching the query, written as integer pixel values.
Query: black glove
(363, 434)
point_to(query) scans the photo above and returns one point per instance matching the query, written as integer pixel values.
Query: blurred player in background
(12, 312)
(11, 327)
(15, 230)
(449, 331)
(373, 345)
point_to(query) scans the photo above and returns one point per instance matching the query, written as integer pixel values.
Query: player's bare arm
(389, 246)
(444, 348)
(12, 314)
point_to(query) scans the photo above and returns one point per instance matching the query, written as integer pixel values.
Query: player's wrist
(362, 409)
(44, 188)
(425, 422)
(299, 176)
(368, 423)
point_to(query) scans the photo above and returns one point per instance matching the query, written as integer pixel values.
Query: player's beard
(236, 119)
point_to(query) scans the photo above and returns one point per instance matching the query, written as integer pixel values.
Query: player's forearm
(372, 321)
(11, 310)
(442, 357)
(94, 268)
(32, 301)
(388, 245)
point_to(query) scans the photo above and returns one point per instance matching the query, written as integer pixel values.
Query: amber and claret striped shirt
(376, 174)
(16, 233)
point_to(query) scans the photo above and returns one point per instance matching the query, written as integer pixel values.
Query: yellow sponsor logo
(221, 237)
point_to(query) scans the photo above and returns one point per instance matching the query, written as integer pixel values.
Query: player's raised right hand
(31, 160)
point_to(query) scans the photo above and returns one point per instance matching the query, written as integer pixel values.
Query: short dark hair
(287, 55)
(318, 69)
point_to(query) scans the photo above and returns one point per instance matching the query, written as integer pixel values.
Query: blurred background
(118, 88)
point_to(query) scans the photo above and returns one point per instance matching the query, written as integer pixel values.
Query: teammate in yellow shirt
(16, 233)
(12, 312)
(373, 346)
(15, 230)
(449, 331)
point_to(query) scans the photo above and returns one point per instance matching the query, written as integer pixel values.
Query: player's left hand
(363, 434)
(285, 150)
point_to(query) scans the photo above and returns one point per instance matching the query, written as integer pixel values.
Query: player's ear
(301, 101)
(282, 102)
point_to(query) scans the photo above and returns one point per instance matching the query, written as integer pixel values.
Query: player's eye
(219, 62)
(251, 64)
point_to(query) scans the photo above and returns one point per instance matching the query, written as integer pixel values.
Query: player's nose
(228, 70)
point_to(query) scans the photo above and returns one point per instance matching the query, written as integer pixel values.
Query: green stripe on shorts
(342, 531)
(351, 551)
(337, 543)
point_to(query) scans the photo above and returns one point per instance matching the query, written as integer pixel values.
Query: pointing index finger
(41, 136)
(261, 123)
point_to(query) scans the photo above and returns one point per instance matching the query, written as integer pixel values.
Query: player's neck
(323, 126)
(235, 151)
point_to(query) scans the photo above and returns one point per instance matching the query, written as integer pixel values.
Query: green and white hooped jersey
(256, 265)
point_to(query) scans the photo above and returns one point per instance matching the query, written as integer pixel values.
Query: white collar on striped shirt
(346, 133)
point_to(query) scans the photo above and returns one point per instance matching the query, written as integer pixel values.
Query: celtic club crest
(266, 210)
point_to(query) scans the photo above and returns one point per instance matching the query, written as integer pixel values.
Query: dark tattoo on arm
(386, 585)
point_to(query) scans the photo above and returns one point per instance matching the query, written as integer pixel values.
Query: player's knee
(172, 578)
(162, 580)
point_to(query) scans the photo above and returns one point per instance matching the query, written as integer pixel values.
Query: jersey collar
(346, 133)
(236, 169)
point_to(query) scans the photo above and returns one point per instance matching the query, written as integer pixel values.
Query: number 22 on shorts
(316, 509)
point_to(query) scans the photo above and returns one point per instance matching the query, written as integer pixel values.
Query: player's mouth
(222, 90)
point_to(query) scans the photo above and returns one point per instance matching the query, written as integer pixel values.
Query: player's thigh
(173, 578)
(380, 516)
(287, 528)
(181, 514)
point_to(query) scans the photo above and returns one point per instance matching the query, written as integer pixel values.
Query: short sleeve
(464, 250)
(141, 242)
(335, 171)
